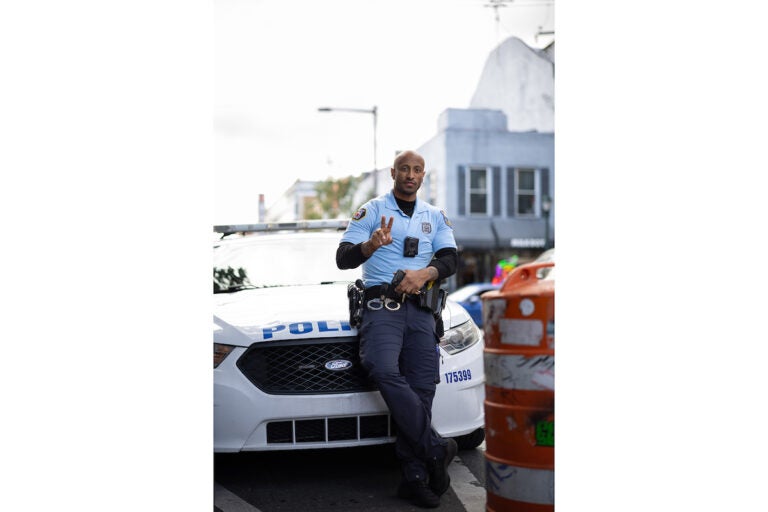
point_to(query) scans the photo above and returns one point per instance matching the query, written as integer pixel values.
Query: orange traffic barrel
(519, 358)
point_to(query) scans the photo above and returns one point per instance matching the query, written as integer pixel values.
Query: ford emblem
(338, 365)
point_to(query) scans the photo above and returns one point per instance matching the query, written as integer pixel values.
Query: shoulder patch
(359, 214)
(445, 218)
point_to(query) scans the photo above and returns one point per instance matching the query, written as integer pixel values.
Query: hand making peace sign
(383, 235)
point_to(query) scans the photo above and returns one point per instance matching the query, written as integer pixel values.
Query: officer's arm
(354, 256)
(443, 265)
(445, 262)
(350, 255)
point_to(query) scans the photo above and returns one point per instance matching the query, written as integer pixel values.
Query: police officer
(398, 338)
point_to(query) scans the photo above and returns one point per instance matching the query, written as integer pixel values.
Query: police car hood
(290, 313)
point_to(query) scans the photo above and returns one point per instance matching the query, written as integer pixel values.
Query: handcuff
(377, 303)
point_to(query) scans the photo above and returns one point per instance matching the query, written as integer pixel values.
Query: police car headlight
(220, 352)
(460, 338)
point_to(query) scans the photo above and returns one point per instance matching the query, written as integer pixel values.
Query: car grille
(327, 430)
(299, 367)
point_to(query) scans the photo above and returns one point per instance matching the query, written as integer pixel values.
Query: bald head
(408, 155)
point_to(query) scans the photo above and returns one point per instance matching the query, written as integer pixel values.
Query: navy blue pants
(399, 350)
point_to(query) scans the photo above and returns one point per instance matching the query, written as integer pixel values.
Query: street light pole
(373, 111)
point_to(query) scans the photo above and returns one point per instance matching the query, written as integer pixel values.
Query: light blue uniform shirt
(428, 224)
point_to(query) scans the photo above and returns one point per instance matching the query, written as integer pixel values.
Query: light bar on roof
(282, 226)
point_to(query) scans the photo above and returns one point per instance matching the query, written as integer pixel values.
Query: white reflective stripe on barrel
(516, 331)
(520, 484)
(511, 371)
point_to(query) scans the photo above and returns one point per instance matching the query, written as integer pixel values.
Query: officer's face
(408, 174)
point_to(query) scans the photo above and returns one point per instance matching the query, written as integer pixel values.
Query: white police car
(286, 369)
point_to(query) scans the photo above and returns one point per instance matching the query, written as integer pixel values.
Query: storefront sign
(527, 242)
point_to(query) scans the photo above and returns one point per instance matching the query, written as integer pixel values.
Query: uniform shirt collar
(391, 203)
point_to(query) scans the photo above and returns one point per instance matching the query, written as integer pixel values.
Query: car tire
(470, 441)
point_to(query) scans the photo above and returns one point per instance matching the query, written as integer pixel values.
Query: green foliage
(334, 198)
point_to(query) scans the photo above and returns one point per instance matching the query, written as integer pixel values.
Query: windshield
(278, 260)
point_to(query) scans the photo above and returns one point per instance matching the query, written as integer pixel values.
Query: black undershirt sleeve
(445, 261)
(349, 255)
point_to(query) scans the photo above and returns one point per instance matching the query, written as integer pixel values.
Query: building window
(431, 179)
(478, 191)
(525, 192)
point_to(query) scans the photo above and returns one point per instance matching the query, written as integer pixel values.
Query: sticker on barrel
(545, 433)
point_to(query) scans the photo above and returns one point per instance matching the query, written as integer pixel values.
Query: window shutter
(462, 190)
(544, 180)
(496, 190)
(510, 191)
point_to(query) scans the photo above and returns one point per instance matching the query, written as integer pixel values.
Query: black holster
(433, 298)
(356, 294)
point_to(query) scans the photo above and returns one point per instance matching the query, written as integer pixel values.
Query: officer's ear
(392, 172)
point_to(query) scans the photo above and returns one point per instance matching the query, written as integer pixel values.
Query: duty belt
(384, 295)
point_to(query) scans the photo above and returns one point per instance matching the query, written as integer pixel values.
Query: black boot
(419, 493)
(439, 480)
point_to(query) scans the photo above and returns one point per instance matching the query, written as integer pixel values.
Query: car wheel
(470, 441)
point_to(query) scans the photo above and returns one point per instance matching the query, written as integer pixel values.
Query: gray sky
(277, 62)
